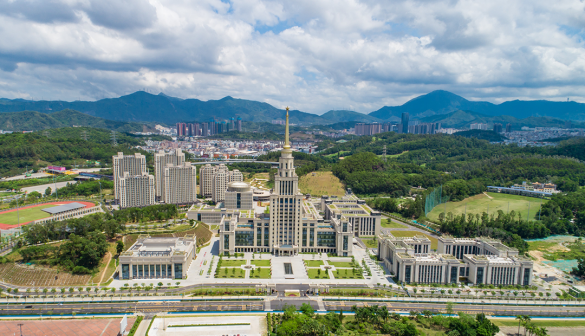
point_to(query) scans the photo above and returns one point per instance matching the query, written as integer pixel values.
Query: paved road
(275, 303)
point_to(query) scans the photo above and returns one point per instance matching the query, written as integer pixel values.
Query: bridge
(227, 162)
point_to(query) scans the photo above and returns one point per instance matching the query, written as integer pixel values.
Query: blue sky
(311, 55)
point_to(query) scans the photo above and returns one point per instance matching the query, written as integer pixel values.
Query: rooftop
(64, 208)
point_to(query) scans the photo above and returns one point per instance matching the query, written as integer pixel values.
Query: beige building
(162, 159)
(366, 222)
(158, 258)
(206, 180)
(136, 190)
(180, 184)
(467, 260)
(131, 164)
(239, 195)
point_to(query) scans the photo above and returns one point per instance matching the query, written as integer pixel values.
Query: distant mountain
(442, 102)
(462, 119)
(142, 106)
(35, 121)
(344, 115)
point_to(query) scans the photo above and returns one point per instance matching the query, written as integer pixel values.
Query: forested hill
(35, 121)
(61, 147)
(465, 166)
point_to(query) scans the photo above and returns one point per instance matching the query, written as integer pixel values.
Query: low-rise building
(472, 260)
(365, 221)
(158, 258)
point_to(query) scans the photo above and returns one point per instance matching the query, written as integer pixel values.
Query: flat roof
(64, 208)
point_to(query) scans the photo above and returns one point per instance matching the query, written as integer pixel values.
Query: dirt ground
(57, 327)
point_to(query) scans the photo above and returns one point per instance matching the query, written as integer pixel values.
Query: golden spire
(286, 143)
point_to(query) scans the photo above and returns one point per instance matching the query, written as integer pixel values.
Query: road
(39, 175)
(273, 303)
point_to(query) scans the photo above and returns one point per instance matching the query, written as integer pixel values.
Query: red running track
(8, 226)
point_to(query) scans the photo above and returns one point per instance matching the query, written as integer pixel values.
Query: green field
(26, 215)
(231, 262)
(261, 263)
(260, 273)
(313, 273)
(314, 263)
(479, 203)
(341, 264)
(434, 241)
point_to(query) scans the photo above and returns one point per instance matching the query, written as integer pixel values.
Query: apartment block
(136, 190)
(162, 159)
(180, 184)
(131, 164)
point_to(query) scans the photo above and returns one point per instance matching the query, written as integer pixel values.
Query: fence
(435, 198)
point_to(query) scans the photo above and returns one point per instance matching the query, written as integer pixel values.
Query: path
(105, 269)
(487, 195)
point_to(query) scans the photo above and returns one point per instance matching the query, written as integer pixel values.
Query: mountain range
(139, 107)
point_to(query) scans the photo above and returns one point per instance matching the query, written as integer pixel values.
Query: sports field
(495, 201)
(321, 183)
(29, 213)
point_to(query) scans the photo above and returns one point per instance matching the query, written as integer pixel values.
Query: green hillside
(35, 121)
(62, 146)
(345, 116)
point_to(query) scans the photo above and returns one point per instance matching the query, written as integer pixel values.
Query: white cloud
(312, 55)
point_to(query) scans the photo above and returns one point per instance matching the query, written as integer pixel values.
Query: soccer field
(496, 201)
(25, 215)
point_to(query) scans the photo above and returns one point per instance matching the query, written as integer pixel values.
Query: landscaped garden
(317, 273)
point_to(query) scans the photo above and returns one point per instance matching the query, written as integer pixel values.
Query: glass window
(226, 242)
(140, 274)
(258, 236)
(407, 273)
(312, 237)
(266, 236)
(526, 276)
(244, 238)
(134, 271)
(344, 227)
(125, 271)
(169, 270)
(305, 236)
(178, 271)
(158, 271)
(345, 242)
(326, 239)
(453, 274)
(479, 279)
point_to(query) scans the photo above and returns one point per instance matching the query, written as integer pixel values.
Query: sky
(312, 55)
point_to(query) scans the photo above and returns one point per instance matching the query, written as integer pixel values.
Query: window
(407, 273)
(158, 271)
(258, 236)
(344, 227)
(266, 236)
(479, 279)
(345, 242)
(326, 239)
(125, 271)
(312, 237)
(134, 271)
(526, 276)
(226, 242)
(453, 274)
(178, 271)
(140, 274)
(305, 236)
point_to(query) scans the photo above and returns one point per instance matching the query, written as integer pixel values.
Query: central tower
(286, 203)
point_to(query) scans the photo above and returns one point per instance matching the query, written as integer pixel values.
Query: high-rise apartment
(136, 190)
(206, 180)
(404, 122)
(132, 164)
(161, 160)
(219, 183)
(180, 183)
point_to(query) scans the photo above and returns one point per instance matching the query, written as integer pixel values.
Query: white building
(136, 190)
(468, 260)
(180, 184)
(131, 164)
(162, 159)
(239, 195)
(366, 222)
(206, 180)
(158, 258)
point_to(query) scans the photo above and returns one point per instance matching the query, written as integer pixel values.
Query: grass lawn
(434, 241)
(347, 274)
(260, 273)
(261, 263)
(225, 262)
(341, 264)
(314, 274)
(231, 272)
(387, 223)
(539, 323)
(479, 203)
(314, 263)
(323, 183)
(25, 215)
(541, 246)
